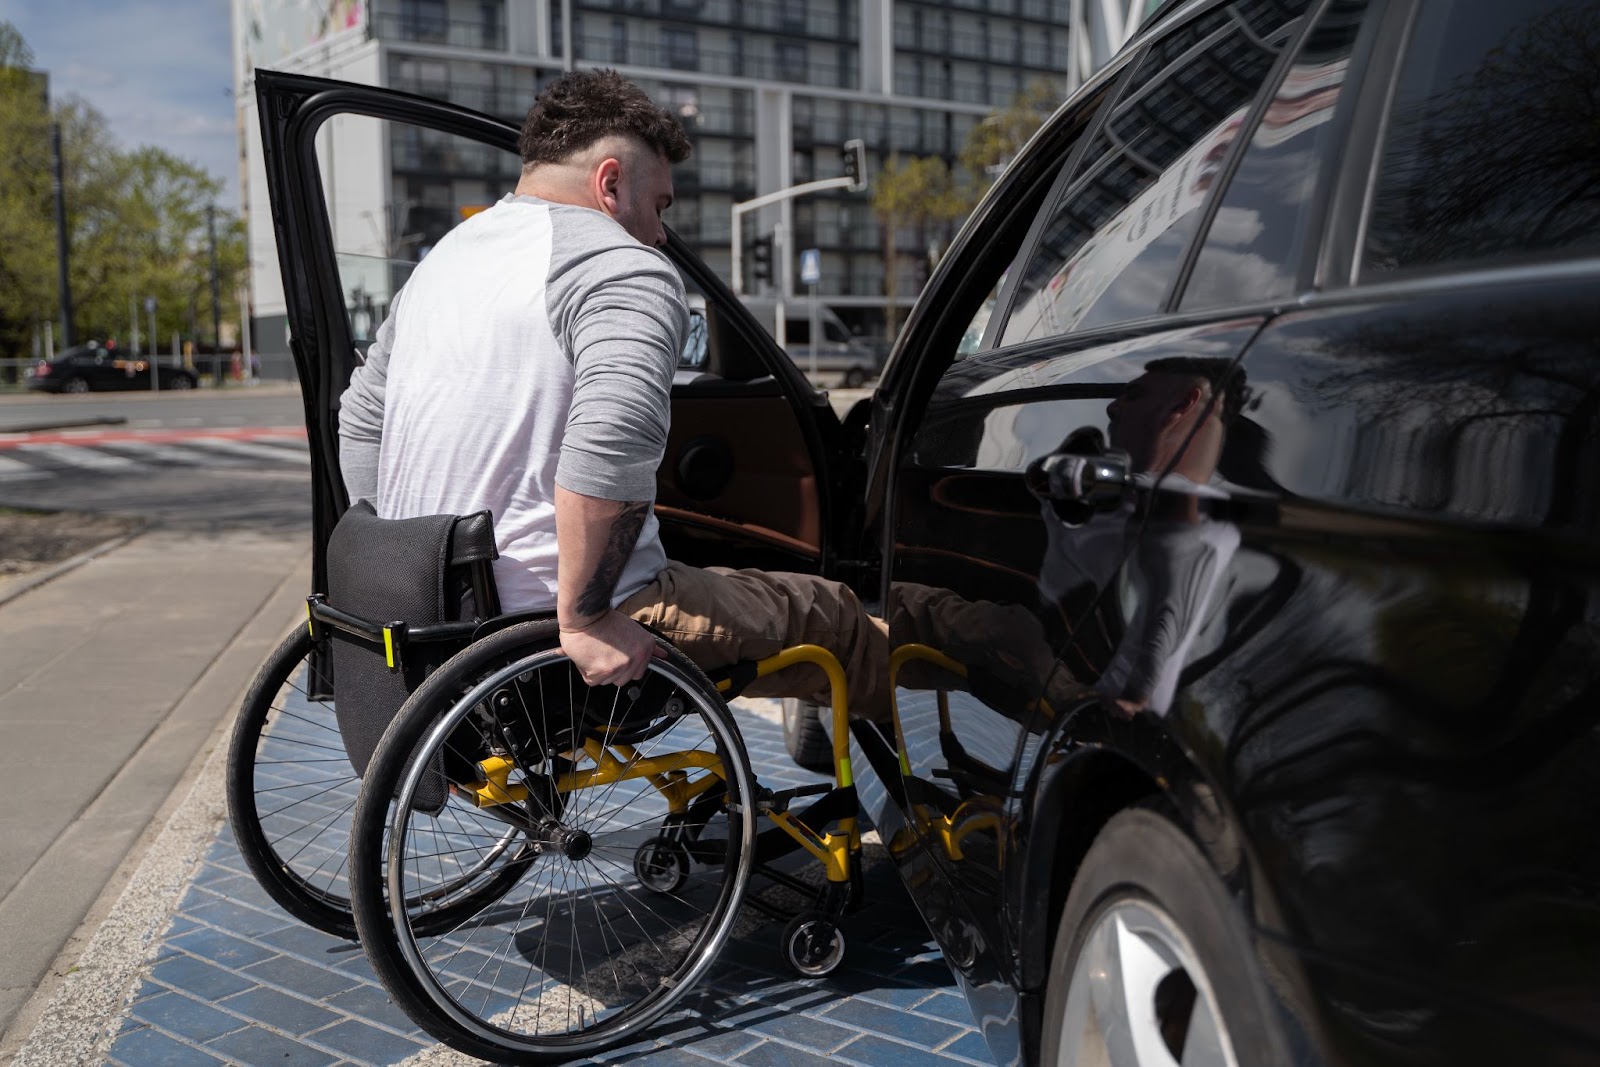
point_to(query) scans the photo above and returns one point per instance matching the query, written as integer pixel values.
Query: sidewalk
(191, 963)
(113, 676)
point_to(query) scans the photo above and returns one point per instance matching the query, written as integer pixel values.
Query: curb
(67, 424)
(78, 1023)
(35, 579)
(76, 1011)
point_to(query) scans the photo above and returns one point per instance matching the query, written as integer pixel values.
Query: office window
(680, 48)
(791, 56)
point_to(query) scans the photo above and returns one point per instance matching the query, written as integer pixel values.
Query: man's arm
(361, 415)
(621, 314)
(596, 539)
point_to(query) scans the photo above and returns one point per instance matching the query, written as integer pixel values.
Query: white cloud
(161, 71)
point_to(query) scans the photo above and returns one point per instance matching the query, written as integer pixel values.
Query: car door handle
(1101, 481)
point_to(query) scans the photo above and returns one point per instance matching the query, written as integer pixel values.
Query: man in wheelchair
(525, 369)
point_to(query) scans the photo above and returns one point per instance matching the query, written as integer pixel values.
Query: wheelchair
(537, 869)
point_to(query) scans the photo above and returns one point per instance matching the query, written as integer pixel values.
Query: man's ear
(608, 184)
(1190, 401)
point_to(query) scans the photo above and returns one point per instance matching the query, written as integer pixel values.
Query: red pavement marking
(155, 437)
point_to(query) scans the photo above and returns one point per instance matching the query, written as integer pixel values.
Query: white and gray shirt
(533, 347)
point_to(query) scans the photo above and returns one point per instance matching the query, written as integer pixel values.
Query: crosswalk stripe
(183, 457)
(250, 448)
(14, 470)
(78, 456)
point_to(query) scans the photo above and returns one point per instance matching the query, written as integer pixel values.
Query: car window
(1256, 242)
(1490, 150)
(1115, 241)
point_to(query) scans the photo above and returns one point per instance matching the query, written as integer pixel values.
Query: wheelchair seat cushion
(395, 570)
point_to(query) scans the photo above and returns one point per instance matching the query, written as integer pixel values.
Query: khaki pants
(719, 617)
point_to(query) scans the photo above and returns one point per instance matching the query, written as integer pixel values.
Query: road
(199, 461)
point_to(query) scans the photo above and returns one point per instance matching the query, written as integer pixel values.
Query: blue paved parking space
(236, 980)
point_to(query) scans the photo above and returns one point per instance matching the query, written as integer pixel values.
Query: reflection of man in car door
(1170, 420)
(1172, 424)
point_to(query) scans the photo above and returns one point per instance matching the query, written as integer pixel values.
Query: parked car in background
(96, 368)
(1232, 494)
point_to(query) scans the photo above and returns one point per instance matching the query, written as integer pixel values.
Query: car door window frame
(1338, 261)
(1120, 74)
(1074, 168)
(1316, 217)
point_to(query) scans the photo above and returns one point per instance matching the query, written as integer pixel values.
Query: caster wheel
(812, 945)
(662, 865)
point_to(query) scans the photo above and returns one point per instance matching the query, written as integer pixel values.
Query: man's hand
(611, 650)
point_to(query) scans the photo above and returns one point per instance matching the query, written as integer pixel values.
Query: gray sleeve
(618, 310)
(361, 415)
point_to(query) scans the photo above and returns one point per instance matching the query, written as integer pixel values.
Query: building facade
(768, 91)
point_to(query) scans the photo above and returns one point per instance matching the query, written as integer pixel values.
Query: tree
(27, 250)
(136, 222)
(995, 141)
(910, 193)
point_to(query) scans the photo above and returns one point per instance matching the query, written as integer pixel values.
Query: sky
(160, 71)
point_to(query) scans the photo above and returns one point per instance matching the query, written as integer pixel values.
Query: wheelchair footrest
(779, 800)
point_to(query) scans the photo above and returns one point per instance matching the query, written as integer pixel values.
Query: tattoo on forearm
(624, 535)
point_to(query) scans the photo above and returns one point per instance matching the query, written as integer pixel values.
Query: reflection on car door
(746, 476)
(1052, 545)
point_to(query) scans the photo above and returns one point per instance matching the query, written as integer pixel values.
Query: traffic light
(855, 164)
(762, 252)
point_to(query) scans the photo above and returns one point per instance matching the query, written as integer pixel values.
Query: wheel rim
(304, 788)
(815, 946)
(77, 385)
(1139, 996)
(303, 791)
(579, 954)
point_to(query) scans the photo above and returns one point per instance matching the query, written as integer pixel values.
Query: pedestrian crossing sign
(810, 266)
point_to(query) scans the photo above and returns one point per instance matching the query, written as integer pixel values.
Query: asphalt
(133, 934)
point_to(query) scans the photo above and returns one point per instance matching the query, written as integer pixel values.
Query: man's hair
(583, 106)
(1226, 380)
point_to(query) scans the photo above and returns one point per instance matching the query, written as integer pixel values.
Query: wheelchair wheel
(291, 793)
(291, 788)
(584, 951)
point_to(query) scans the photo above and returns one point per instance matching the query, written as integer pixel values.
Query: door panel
(349, 230)
(1421, 715)
(1032, 597)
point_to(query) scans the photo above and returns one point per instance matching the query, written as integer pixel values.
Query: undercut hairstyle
(1226, 380)
(583, 107)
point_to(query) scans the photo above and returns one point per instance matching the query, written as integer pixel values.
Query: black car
(93, 367)
(1242, 575)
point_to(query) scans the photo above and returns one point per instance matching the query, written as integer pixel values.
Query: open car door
(363, 180)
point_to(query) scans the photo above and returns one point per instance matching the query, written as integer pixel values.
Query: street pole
(133, 325)
(63, 286)
(244, 335)
(780, 275)
(216, 301)
(816, 335)
(155, 345)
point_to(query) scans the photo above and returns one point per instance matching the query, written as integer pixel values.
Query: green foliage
(136, 223)
(925, 192)
(996, 140)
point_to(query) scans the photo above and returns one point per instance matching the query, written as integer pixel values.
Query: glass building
(768, 91)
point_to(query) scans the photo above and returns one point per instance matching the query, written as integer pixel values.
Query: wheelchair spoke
(555, 935)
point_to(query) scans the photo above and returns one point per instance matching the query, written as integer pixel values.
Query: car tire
(804, 736)
(75, 385)
(855, 378)
(180, 382)
(1153, 958)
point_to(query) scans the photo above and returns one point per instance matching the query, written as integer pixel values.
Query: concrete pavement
(113, 676)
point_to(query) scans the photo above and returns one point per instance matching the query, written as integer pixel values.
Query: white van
(842, 356)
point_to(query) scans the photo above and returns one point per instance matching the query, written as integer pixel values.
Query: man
(526, 368)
